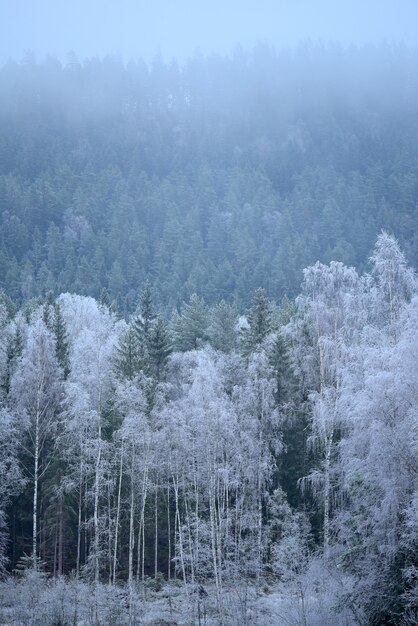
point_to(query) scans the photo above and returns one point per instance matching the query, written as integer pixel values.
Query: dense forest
(215, 177)
(275, 452)
(208, 340)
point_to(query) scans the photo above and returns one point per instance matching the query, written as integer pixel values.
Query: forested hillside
(215, 177)
(208, 340)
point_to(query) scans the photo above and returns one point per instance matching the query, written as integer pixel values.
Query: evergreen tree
(159, 349)
(128, 357)
(105, 300)
(147, 309)
(190, 326)
(8, 304)
(62, 347)
(259, 322)
(222, 329)
(13, 353)
(143, 322)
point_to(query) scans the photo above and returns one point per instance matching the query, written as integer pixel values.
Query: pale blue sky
(137, 28)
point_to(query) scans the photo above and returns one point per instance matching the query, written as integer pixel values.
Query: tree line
(214, 177)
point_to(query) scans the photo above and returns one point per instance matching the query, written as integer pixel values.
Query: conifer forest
(209, 339)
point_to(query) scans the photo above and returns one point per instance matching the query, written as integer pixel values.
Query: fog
(140, 28)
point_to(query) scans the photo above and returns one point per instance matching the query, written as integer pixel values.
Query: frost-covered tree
(395, 282)
(134, 438)
(329, 318)
(379, 469)
(93, 333)
(260, 438)
(35, 393)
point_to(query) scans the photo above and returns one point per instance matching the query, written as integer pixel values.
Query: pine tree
(8, 304)
(148, 313)
(62, 348)
(48, 311)
(13, 353)
(190, 326)
(222, 328)
(128, 359)
(105, 300)
(280, 362)
(159, 349)
(143, 323)
(259, 321)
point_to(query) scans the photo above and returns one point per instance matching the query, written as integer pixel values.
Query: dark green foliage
(105, 300)
(129, 357)
(144, 318)
(285, 386)
(62, 347)
(216, 184)
(148, 313)
(14, 350)
(159, 349)
(190, 326)
(222, 329)
(259, 322)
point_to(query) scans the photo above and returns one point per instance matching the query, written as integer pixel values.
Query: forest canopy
(213, 177)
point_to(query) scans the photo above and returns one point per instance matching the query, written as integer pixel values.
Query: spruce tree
(62, 348)
(159, 349)
(190, 326)
(222, 328)
(105, 299)
(259, 321)
(128, 360)
(143, 323)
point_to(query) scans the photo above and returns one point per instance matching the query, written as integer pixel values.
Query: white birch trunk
(115, 547)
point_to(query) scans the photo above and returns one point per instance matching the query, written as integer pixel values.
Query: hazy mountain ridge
(214, 177)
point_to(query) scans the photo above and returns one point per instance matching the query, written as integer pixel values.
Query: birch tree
(35, 391)
(379, 468)
(93, 334)
(330, 315)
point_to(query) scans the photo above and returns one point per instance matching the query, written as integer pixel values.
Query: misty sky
(138, 28)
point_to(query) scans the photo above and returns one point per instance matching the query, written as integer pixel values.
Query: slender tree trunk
(213, 534)
(55, 566)
(327, 493)
(189, 534)
(35, 493)
(80, 500)
(156, 530)
(180, 532)
(60, 537)
(196, 497)
(115, 548)
(131, 526)
(109, 534)
(168, 533)
(96, 544)
(259, 512)
(141, 531)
